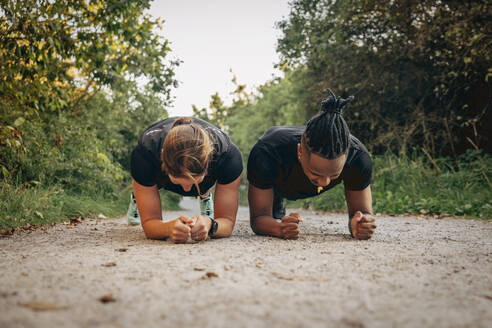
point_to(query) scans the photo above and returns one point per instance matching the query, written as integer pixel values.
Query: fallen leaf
(121, 249)
(210, 275)
(489, 297)
(259, 265)
(226, 268)
(101, 216)
(107, 298)
(43, 306)
(7, 232)
(199, 269)
(109, 264)
(28, 227)
(76, 220)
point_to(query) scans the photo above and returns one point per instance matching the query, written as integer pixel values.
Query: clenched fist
(289, 226)
(181, 229)
(200, 229)
(362, 225)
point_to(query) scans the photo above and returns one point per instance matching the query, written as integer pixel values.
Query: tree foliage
(79, 81)
(419, 69)
(218, 112)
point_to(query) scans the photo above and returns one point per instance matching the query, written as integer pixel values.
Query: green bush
(72, 158)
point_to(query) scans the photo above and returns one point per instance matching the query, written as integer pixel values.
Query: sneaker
(207, 206)
(278, 208)
(132, 214)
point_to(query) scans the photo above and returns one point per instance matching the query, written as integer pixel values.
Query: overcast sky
(212, 37)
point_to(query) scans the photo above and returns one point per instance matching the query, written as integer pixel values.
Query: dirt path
(415, 272)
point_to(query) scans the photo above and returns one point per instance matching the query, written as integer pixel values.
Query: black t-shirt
(273, 163)
(226, 164)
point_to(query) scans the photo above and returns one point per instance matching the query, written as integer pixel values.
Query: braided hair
(327, 133)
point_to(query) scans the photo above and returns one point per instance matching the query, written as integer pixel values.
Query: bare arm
(361, 218)
(260, 210)
(261, 220)
(226, 202)
(149, 207)
(359, 200)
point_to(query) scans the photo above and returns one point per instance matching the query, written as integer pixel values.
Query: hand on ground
(181, 229)
(363, 225)
(289, 226)
(200, 229)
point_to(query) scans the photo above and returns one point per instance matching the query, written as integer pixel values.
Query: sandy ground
(415, 272)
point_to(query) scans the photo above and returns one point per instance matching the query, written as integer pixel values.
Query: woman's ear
(299, 151)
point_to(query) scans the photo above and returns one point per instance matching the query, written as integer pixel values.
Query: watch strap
(213, 227)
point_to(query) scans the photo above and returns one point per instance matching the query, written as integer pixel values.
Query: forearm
(266, 225)
(359, 200)
(224, 228)
(156, 229)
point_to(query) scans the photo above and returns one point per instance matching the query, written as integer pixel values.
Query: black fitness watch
(213, 227)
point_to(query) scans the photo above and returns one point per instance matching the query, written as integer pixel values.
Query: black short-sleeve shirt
(226, 164)
(273, 163)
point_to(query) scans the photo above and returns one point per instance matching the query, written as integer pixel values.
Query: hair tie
(334, 104)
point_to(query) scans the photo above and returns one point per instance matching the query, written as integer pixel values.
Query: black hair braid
(327, 133)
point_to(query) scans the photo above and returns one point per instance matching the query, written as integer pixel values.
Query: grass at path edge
(38, 205)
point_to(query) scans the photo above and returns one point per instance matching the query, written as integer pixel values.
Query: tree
(217, 112)
(96, 68)
(413, 67)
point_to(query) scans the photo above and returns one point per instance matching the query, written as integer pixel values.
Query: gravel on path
(415, 272)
